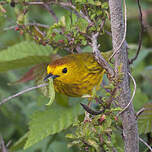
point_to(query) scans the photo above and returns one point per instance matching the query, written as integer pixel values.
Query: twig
(108, 33)
(133, 94)
(71, 10)
(34, 3)
(99, 57)
(2, 144)
(42, 33)
(140, 34)
(27, 24)
(145, 144)
(102, 24)
(103, 86)
(63, 4)
(51, 11)
(9, 143)
(3, 2)
(124, 36)
(138, 113)
(22, 92)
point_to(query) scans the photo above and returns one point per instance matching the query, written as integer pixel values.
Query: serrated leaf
(23, 54)
(50, 121)
(145, 119)
(19, 63)
(24, 49)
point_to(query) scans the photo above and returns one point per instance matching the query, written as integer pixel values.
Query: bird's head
(63, 69)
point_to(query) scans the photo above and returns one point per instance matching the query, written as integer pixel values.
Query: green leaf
(74, 18)
(20, 143)
(142, 55)
(145, 119)
(68, 22)
(51, 92)
(82, 24)
(61, 99)
(50, 121)
(23, 54)
(147, 73)
(105, 5)
(140, 99)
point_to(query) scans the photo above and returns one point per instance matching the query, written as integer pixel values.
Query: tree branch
(138, 113)
(27, 24)
(62, 4)
(45, 5)
(99, 57)
(124, 36)
(130, 131)
(22, 92)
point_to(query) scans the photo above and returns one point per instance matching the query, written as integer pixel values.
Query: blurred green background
(15, 115)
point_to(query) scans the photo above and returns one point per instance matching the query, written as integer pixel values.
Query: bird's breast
(79, 88)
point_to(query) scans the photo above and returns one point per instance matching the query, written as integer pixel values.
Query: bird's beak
(50, 75)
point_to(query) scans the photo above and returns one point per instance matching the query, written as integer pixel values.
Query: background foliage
(18, 54)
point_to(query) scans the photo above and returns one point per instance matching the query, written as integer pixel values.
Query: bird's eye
(64, 70)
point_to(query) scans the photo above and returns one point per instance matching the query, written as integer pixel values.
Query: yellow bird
(76, 75)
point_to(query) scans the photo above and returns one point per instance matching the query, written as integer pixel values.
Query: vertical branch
(130, 131)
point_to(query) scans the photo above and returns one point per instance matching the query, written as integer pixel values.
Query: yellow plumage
(76, 74)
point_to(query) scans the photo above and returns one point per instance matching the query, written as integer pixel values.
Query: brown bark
(130, 131)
